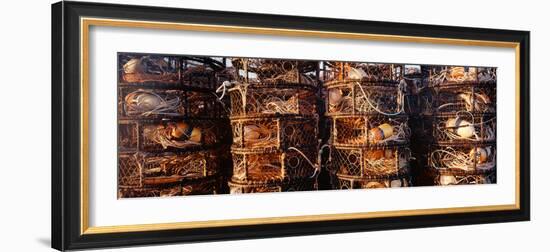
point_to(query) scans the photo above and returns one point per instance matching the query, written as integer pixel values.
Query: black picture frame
(66, 96)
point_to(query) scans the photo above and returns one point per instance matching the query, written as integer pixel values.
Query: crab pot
(241, 187)
(338, 71)
(463, 157)
(474, 98)
(129, 171)
(359, 162)
(201, 186)
(273, 166)
(128, 135)
(141, 103)
(344, 182)
(276, 71)
(364, 97)
(451, 75)
(459, 177)
(174, 135)
(137, 68)
(169, 167)
(275, 133)
(205, 73)
(269, 100)
(369, 130)
(464, 128)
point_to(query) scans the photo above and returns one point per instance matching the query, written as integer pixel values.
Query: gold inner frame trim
(86, 23)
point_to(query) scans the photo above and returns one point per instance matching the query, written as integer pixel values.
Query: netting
(204, 72)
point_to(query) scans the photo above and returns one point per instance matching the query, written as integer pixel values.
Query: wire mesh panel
(144, 68)
(452, 177)
(364, 71)
(369, 162)
(275, 133)
(267, 100)
(370, 130)
(276, 71)
(473, 98)
(128, 137)
(179, 134)
(208, 185)
(463, 158)
(186, 165)
(129, 171)
(372, 183)
(203, 72)
(273, 166)
(464, 127)
(240, 187)
(136, 103)
(362, 97)
(449, 75)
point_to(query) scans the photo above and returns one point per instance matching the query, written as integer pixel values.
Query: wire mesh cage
(207, 185)
(276, 71)
(453, 177)
(273, 166)
(135, 68)
(357, 162)
(362, 71)
(450, 75)
(204, 72)
(135, 103)
(128, 135)
(241, 187)
(462, 158)
(361, 97)
(343, 182)
(172, 166)
(474, 98)
(268, 100)
(129, 171)
(169, 135)
(352, 130)
(275, 133)
(464, 127)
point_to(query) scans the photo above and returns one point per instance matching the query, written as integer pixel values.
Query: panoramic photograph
(201, 125)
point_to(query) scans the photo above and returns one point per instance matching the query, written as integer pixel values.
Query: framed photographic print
(179, 125)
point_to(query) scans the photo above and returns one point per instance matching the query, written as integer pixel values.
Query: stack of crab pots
(172, 130)
(274, 122)
(369, 133)
(461, 109)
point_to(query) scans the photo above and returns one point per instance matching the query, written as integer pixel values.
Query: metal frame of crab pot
(472, 99)
(241, 187)
(192, 80)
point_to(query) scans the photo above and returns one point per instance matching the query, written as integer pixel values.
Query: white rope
(223, 88)
(400, 102)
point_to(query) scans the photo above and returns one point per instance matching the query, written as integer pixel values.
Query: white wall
(25, 124)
